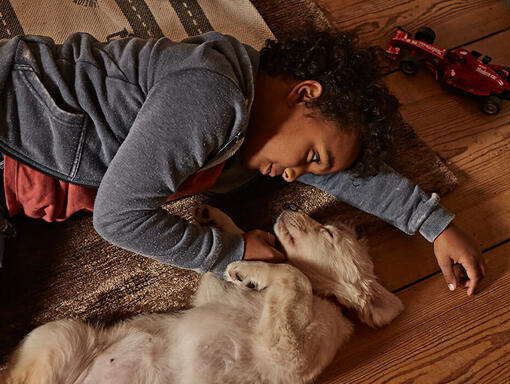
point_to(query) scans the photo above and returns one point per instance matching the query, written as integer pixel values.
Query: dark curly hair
(353, 98)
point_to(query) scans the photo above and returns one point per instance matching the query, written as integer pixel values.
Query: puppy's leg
(214, 217)
(55, 352)
(287, 300)
(301, 333)
(210, 289)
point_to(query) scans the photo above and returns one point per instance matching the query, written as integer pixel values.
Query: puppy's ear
(381, 307)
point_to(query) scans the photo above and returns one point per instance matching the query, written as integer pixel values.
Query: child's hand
(259, 245)
(454, 246)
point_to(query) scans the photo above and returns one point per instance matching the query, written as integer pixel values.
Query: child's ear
(305, 91)
(304, 95)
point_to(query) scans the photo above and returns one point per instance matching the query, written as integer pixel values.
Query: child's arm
(177, 130)
(401, 203)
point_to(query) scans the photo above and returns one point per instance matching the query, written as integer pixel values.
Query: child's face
(283, 137)
(299, 144)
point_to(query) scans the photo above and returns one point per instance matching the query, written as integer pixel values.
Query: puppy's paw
(207, 215)
(250, 274)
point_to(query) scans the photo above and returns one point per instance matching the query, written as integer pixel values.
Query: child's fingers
(475, 272)
(260, 245)
(271, 239)
(474, 279)
(272, 255)
(278, 257)
(471, 287)
(446, 266)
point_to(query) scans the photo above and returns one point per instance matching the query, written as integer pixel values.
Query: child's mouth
(273, 171)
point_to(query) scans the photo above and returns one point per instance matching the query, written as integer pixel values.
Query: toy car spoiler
(393, 50)
(402, 39)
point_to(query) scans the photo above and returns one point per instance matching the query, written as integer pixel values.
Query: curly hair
(353, 97)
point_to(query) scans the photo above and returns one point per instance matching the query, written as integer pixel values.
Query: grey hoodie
(136, 117)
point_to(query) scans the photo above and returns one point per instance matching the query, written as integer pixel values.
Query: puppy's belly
(123, 362)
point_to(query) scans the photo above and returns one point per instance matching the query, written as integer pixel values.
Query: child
(117, 128)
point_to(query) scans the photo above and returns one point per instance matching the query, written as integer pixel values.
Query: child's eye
(316, 158)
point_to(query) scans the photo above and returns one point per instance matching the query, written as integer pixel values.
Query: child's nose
(291, 174)
(287, 175)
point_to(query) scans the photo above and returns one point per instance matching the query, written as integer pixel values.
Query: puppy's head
(298, 233)
(323, 252)
(338, 264)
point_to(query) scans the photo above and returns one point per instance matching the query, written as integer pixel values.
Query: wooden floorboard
(456, 21)
(442, 337)
(474, 145)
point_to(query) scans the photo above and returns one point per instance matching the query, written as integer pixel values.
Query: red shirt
(40, 196)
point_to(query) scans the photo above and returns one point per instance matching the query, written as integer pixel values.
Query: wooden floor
(442, 337)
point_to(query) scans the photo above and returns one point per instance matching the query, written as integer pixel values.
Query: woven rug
(55, 271)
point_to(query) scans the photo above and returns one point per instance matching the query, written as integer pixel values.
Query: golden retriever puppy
(265, 323)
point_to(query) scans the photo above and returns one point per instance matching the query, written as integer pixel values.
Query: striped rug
(109, 19)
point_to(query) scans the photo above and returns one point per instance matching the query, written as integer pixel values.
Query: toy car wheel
(425, 34)
(508, 70)
(410, 65)
(491, 105)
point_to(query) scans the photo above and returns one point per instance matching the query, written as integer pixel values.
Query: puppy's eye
(327, 231)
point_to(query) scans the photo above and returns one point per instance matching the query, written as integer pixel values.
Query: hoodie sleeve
(389, 196)
(179, 127)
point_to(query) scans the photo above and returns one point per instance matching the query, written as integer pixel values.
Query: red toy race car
(457, 67)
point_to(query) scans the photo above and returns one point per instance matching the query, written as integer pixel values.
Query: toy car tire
(410, 65)
(491, 105)
(486, 59)
(508, 70)
(425, 34)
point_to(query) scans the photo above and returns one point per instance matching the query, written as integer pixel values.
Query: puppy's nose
(293, 207)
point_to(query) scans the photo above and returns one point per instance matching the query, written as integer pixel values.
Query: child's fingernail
(451, 286)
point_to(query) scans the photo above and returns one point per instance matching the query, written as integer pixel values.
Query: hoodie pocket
(42, 95)
(48, 135)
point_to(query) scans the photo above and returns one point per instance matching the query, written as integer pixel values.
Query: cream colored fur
(263, 325)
